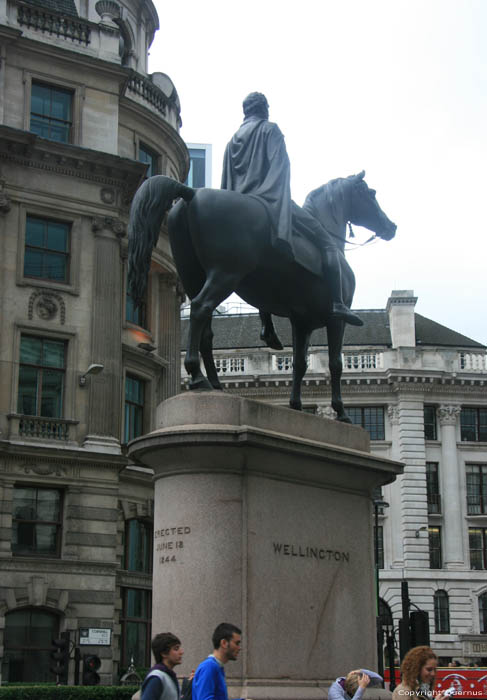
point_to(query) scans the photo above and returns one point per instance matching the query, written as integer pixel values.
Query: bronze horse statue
(221, 243)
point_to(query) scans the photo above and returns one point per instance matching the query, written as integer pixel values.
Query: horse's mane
(330, 194)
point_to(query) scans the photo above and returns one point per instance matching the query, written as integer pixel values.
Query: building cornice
(29, 150)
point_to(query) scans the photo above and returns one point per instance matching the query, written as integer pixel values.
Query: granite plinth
(263, 517)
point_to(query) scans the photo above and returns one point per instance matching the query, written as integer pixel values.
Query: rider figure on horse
(256, 163)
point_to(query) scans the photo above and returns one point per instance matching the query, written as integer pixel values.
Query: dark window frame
(380, 546)
(476, 483)
(48, 252)
(38, 671)
(483, 613)
(435, 548)
(433, 495)
(145, 621)
(133, 410)
(430, 424)
(148, 155)
(478, 555)
(31, 523)
(41, 371)
(130, 546)
(473, 424)
(49, 120)
(441, 604)
(363, 416)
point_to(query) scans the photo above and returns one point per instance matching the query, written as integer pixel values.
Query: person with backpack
(161, 682)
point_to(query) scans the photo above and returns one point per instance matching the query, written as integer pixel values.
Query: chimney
(400, 307)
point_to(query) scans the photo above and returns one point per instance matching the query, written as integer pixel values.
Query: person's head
(167, 649)
(419, 666)
(256, 105)
(226, 641)
(351, 682)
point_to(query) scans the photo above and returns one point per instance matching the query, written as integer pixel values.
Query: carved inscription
(308, 552)
(169, 543)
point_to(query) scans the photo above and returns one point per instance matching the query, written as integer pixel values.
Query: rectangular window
(138, 546)
(51, 112)
(477, 539)
(476, 489)
(473, 422)
(369, 417)
(359, 361)
(150, 157)
(434, 534)
(134, 407)
(433, 488)
(379, 534)
(230, 365)
(430, 423)
(41, 377)
(136, 626)
(36, 522)
(197, 167)
(46, 249)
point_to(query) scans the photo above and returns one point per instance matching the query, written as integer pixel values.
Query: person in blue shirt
(161, 682)
(209, 680)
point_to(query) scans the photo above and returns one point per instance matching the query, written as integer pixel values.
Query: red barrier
(468, 682)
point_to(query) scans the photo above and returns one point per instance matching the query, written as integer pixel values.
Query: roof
(62, 7)
(243, 330)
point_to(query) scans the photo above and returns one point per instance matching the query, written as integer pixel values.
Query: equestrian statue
(249, 237)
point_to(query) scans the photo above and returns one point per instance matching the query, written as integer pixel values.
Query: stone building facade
(81, 371)
(420, 390)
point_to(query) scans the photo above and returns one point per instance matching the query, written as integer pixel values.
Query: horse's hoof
(201, 384)
(296, 405)
(344, 419)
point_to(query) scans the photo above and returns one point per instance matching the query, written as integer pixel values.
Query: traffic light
(60, 657)
(91, 664)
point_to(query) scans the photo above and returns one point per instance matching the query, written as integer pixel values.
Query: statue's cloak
(256, 163)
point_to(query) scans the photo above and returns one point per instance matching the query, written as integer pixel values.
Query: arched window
(28, 638)
(442, 612)
(138, 546)
(483, 613)
(385, 614)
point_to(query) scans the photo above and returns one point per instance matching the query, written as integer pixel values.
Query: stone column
(413, 483)
(170, 300)
(104, 429)
(454, 556)
(392, 494)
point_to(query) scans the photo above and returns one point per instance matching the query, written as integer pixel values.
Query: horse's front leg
(335, 331)
(301, 336)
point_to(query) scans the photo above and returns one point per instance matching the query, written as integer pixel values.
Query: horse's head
(365, 209)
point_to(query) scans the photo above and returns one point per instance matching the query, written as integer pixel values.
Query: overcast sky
(395, 87)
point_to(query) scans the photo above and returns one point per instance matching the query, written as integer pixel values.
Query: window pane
(35, 232)
(28, 636)
(468, 422)
(52, 394)
(27, 397)
(48, 501)
(475, 538)
(33, 263)
(138, 546)
(30, 350)
(60, 104)
(136, 643)
(40, 99)
(53, 353)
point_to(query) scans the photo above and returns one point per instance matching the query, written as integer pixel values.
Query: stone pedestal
(263, 518)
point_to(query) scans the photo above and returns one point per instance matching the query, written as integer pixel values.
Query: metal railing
(434, 503)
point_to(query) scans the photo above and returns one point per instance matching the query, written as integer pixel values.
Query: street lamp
(379, 503)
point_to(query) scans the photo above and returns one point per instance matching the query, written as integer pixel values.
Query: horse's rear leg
(301, 336)
(335, 331)
(218, 286)
(206, 350)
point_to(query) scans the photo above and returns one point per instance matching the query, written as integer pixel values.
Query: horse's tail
(151, 202)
